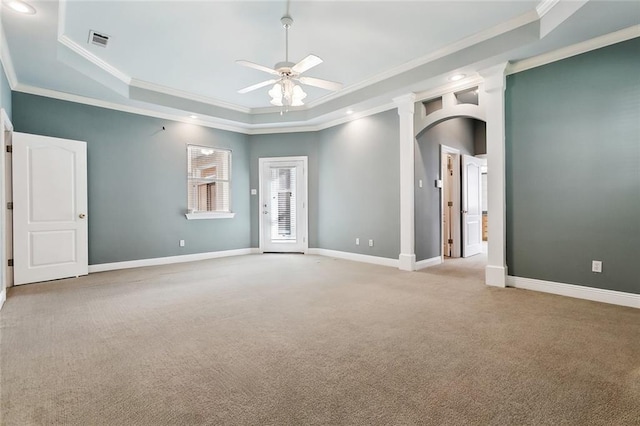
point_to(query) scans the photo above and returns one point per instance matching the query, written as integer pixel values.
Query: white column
(407, 259)
(492, 100)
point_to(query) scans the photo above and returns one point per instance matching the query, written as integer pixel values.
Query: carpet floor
(308, 340)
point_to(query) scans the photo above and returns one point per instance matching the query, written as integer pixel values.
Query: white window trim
(210, 215)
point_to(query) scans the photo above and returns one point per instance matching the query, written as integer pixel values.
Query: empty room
(319, 212)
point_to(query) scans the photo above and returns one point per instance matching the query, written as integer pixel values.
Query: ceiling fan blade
(323, 84)
(257, 86)
(258, 67)
(306, 64)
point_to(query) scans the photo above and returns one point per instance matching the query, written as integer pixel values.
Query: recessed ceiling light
(349, 111)
(193, 116)
(457, 77)
(21, 7)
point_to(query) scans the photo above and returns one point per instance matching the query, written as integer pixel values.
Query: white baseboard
(3, 297)
(496, 276)
(425, 263)
(577, 291)
(384, 261)
(168, 260)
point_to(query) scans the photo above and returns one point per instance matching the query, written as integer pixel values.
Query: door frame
(6, 247)
(262, 161)
(457, 236)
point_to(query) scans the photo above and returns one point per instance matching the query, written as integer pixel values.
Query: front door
(471, 205)
(49, 208)
(283, 205)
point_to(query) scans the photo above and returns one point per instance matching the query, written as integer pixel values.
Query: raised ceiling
(179, 56)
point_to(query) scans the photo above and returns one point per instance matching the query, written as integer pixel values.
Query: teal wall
(359, 190)
(285, 145)
(456, 133)
(137, 179)
(573, 169)
(5, 92)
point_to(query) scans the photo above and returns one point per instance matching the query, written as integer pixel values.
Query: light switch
(254, 191)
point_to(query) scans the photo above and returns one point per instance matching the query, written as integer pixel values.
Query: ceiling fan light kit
(286, 92)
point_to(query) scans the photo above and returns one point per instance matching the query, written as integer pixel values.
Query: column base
(496, 276)
(407, 262)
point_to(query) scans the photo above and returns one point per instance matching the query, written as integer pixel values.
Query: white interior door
(49, 208)
(471, 205)
(283, 205)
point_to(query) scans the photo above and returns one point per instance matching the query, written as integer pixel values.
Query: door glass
(283, 203)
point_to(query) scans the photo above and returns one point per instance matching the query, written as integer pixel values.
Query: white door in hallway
(283, 204)
(49, 208)
(471, 205)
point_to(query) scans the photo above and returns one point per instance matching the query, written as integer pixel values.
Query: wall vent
(98, 39)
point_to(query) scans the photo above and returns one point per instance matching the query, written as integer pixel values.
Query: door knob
(81, 215)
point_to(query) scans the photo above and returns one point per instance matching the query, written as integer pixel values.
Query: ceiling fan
(285, 91)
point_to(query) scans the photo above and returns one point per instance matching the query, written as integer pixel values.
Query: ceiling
(178, 57)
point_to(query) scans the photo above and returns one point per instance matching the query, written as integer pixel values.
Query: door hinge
(450, 241)
(10, 205)
(10, 262)
(9, 148)
(450, 203)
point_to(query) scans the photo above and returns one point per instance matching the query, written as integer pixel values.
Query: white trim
(573, 50)
(141, 84)
(447, 112)
(356, 257)
(427, 263)
(454, 86)
(3, 297)
(7, 62)
(84, 53)
(168, 260)
(491, 96)
(406, 110)
(210, 215)
(213, 123)
(6, 277)
(450, 49)
(580, 292)
(545, 6)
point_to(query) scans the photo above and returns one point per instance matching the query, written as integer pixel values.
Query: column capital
(405, 103)
(494, 77)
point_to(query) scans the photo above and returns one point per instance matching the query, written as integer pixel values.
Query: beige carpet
(296, 340)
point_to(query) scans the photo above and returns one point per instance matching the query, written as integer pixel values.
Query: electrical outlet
(181, 243)
(357, 241)
(596, 266)
(420, 183)
(370, 243)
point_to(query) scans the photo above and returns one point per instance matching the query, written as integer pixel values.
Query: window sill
(210, 215)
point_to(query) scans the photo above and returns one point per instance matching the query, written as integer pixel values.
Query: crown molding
(545, 6)
(450, 49)
(573, 50)
(466, 42)
(454, 86)
(104, 65)
(215, 124)
(7, 63)
(186, 95)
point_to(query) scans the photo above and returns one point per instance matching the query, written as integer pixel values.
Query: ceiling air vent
(98, 39)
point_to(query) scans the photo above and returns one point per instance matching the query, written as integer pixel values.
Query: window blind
(283, 203)
(208, 179)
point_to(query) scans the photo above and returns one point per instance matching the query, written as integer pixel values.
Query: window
(208, 183)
